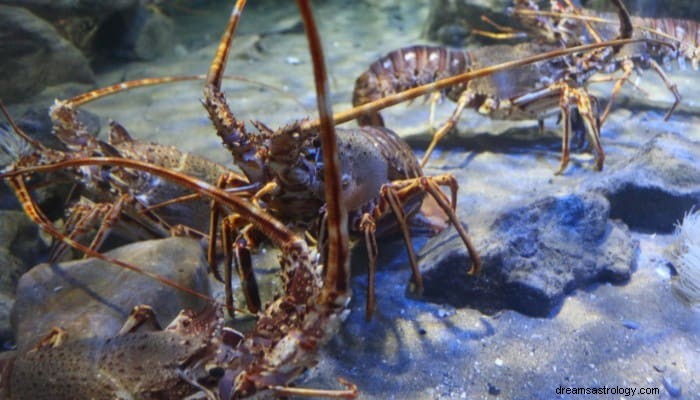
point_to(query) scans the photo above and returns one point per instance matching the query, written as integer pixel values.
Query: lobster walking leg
(393, 197)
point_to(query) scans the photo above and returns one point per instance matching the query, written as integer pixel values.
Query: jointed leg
(671, 86)
(462, 102)
(369, 227)
(236, 249)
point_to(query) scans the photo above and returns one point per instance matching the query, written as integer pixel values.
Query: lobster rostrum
(531, 91)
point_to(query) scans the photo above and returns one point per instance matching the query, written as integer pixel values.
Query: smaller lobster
(531, 91)
(673, 39)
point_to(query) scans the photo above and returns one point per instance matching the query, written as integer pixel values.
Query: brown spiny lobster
(531, 91)
(380, 174)
(674, 39)
(195, 356)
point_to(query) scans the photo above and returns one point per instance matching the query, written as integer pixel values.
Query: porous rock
(654, 187)
(93, 298)
(33, 55)
(532, 257)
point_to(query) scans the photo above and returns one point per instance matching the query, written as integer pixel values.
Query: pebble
(672, 387)
(493, 390)
(629, 324)
(442, 313)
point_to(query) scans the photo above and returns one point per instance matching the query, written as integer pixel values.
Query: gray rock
(63, 8)
(145, 34)
(672, 386)
(20, 246)
(93, 298)
(656, 186)
(6, 335)
(532, 257)
(33, 55)
(449, 21)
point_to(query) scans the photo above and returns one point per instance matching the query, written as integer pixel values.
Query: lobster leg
(237, 183)
(671, 87)
(16, 183)
(244, 267)
(431, 185)
(235, 243)
(81, 216)
(56, 337)
(627, 68)
(369, 226)
(579, 98)
(349, 393)
(392, 198)
(465, 99)
(140, 316)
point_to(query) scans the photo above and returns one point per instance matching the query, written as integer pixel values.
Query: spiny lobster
(532, 91)
(195, 356)
(674, 39)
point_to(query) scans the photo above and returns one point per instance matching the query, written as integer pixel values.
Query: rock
(20, 248)
(137, 33)
(19, 240)
(672, 386)
(532, 257)
(93, 298)
(65, 8)
(449, 21)
(656, 186)
(6, 335)
(34, 55)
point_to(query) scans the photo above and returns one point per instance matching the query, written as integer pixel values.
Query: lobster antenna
(625, 22)
(278, 232)
(337, 279)
(19, 131)
(218, 64)
(36, 215)
(97, 94)
(354, 113)
(591, 18)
